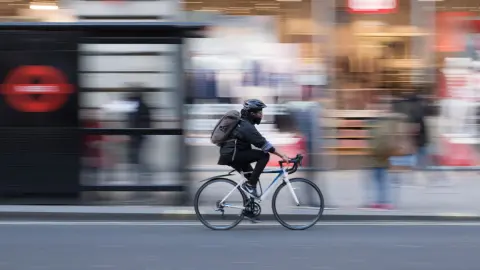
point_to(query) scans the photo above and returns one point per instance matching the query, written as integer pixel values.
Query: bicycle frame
(282, 173)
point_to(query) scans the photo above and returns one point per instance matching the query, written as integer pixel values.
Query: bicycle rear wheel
(212, 212)
(298, 217)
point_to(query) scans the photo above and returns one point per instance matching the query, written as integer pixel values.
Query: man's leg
(383, 188)
(250, 156)
(376, 180)
(245, 168)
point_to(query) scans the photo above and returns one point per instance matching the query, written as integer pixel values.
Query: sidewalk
(434, 191)
(162, 213)
(344, 191)
(418, 192)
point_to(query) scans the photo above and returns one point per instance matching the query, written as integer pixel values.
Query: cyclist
(237, 152)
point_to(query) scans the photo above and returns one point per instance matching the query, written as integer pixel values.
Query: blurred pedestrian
(384, 146)
(413, 106)
(410, 104)
(138, 117)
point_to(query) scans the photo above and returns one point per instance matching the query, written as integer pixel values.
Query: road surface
(188, 246)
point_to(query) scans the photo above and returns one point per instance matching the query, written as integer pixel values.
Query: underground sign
(36, 89)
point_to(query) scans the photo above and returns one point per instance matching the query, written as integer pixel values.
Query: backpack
(383, 139)
(224, 127)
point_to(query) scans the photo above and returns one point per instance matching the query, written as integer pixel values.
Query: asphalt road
(181, 247)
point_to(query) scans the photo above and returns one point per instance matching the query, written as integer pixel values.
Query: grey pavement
(177, 247)
(425, 192)
(414, 191)
(417, 198)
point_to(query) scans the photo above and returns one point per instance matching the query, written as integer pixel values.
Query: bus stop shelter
(41, 138)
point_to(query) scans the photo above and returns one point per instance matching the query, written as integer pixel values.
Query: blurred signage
(475, 26)
(372, 6)
(451, 30)
(39, 112)
(36, 89)
(458, 106)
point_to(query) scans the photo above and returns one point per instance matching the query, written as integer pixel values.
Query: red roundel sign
(36, 89)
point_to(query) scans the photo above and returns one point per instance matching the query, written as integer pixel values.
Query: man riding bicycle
(237, 152)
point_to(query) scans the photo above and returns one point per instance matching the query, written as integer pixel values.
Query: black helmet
(253, 105)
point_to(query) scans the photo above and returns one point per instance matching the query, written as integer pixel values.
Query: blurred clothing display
(311, 73)
(204, 83)
(229, 78)
(254, 74)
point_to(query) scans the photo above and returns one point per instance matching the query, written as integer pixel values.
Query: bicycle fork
(290, 187)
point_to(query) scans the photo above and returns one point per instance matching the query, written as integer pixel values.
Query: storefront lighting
(43, 7)
(372, 6)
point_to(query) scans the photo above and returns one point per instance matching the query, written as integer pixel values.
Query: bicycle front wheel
(219, 204)
(302, 216)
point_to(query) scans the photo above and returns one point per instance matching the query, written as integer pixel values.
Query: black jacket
(243, 137)
(413, 107)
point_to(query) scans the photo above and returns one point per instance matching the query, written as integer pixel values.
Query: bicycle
(249, 206)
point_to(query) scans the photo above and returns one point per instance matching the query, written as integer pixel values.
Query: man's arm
(254, 137)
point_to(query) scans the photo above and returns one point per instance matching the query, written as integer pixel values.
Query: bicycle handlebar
(297, 161)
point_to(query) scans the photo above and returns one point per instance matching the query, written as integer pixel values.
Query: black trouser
(242, 162)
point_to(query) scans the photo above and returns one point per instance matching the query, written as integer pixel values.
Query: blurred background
(321, 66)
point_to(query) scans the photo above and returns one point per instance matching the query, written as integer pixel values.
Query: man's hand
(282, 156)
(285, 158)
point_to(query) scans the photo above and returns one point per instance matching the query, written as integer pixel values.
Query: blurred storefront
(342, 51)
(337, 52)
(359, 48)
(86, 10)
(380, 50)
(34, 11)
(395, 47)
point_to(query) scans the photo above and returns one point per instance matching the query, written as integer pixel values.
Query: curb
(77, 216)
(214, 169)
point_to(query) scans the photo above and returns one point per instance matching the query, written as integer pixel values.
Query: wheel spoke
(225, 199)
(234, 206)
(306, 207)
(308, 202)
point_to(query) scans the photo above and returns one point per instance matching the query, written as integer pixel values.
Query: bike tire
(200, 216)
(315, 220)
